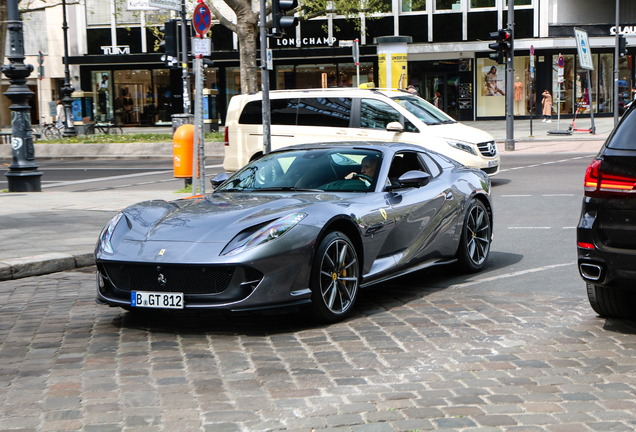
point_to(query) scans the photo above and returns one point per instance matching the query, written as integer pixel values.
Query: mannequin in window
(518, 95)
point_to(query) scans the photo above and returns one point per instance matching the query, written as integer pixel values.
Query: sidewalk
(55, 231)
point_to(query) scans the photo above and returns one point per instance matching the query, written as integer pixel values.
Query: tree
(247, 29)
(25, 7)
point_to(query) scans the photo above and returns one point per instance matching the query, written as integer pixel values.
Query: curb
(37, 265)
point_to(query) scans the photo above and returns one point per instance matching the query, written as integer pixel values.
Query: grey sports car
(310, 225)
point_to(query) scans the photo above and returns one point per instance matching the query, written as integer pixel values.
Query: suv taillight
(227, 141)
(603, 184)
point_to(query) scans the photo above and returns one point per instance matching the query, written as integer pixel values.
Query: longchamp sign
(307, 41)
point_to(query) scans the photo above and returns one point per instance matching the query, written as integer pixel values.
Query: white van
(351, 114)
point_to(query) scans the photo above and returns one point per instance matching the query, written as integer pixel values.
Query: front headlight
(269, 232)
(107, 234)
(462, 145)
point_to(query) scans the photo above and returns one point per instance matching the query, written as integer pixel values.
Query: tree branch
(224, 21)
(48, 6)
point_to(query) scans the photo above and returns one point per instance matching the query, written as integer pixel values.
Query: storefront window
(317, 76)
(581, 86)
(606, 83)
(491, 89)
(566, 91)
(448, 5)
(522, 98)
(347, 74)
(624, 82)
(210, 96)
(163, 97)
(285, 77)
(134, 102)
(102, 95)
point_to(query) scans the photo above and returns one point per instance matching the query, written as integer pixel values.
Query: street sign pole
(267, 136)
(531, 80)
(559, 82)
(586, 62)
(356, 59)
(510, 132)
(184, 61)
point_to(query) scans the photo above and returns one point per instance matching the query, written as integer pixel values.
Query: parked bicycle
(51, 130)
(109, 128)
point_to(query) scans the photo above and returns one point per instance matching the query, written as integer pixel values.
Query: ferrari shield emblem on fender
(383, 213)
(161, 252)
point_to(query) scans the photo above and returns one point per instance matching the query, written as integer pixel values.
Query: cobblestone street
(412, 358)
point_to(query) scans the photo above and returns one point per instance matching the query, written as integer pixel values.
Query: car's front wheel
(611, 303)
(474, 246)
(335, 278)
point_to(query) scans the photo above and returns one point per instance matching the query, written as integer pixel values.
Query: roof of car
(339, 90)
(368, 145)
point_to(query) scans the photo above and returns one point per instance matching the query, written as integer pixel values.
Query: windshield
(423, 110)
(346, 170)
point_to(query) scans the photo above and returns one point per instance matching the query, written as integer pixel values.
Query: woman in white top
(60, 115)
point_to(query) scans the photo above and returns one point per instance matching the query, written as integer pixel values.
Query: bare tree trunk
(247, 29)
(3, 43)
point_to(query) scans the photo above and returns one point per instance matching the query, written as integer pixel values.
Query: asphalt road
(537, 202)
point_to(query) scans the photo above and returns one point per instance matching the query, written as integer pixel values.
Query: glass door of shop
(442, 90)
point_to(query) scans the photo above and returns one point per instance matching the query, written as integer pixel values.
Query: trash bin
(181, 119)
(182, 149)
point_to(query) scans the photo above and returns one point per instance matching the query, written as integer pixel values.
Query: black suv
(606, 234)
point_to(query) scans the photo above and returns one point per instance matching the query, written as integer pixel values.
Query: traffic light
(170, 43)
(622, 46)
(279, 9)
(40, 65)
(503, 45)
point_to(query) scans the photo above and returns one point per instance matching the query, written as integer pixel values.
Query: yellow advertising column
(392, 65)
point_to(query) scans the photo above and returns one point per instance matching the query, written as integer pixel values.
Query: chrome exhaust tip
(591, 271)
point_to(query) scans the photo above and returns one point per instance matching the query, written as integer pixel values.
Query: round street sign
(561, 62)
(531, 49)
(201, 19)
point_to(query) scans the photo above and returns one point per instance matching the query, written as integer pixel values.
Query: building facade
(118, 70)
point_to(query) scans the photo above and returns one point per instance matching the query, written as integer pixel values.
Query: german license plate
(156, 300)
(492, 164)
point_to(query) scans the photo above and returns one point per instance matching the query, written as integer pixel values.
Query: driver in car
(367, 170)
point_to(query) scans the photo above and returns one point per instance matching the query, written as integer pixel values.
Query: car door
(423, 216)
(322, 119)
(371, 119)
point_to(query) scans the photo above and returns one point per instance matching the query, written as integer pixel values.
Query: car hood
(218, 217)
(462, 132)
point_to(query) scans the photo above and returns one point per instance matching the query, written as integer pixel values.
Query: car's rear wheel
(611, 303)
(335, 278)
(474, 246)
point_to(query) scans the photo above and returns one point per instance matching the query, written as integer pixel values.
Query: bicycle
(109, 128)
(51, 130)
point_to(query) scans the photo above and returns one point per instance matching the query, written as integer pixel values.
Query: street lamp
(67, 89)
(23, 175)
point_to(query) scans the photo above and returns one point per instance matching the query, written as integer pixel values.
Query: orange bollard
(182, 149)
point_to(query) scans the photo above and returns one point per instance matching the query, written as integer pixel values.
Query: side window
(283, 111)
(410, 127)
(433, 168)
(376, 114)
(332, 112)
(403, 163)
(252, 113)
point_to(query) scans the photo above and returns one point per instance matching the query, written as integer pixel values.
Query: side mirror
(219, 179)
(414, 179)
(395, 127)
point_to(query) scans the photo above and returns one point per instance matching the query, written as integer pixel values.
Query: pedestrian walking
(547, 107)
(60, 115)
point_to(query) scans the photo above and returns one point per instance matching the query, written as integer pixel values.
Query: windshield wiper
(288, 188)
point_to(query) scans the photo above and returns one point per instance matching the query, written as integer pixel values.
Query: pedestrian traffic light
(622, 46)
(40, 58)
(281, 21)
(170, 43)
(503, 45)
